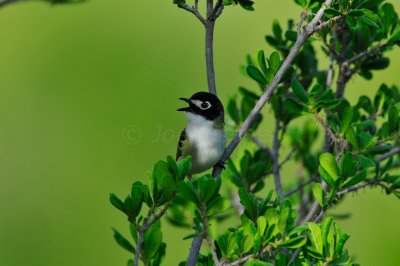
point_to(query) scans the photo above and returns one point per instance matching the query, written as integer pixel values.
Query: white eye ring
(205, 105)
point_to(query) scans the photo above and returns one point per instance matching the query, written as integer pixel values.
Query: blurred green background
(88, 95)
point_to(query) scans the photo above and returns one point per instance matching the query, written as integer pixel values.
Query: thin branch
(327, 23)
(212, 250)
(343, 76)
(306, 33)
(156, 217)
(328, 128)
(388, 154)
(275, 158)
(329, 76)
(303, 16)
(312, 212)
(209, 39)
(219, 6)
(288, 157)
(371, 182)
(261, 145)
(370, 52)
(300, 187)
(194, 11)
(242, 260)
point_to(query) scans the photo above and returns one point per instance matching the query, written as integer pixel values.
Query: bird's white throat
(207, 139)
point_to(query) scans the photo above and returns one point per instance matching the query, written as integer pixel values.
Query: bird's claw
(221, 164)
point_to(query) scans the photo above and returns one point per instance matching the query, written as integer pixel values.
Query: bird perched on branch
(204, 137)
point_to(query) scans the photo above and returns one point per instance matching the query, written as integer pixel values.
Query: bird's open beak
(185, 109)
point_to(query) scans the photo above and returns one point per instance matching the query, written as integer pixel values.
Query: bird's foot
(221, 164)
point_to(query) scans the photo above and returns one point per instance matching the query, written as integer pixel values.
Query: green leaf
(246, 4)
(316, 236)
(256, 74)
(217, 206)
(367, 141)
(188, 192)
(318, 193)
(313, 253)
(366, 162)
(292, 106)
(348, 165)
(277, 30)
(328, 163)
(261, 225)
(326, 227)
(355, 13)
(274, 61)
(117, 203)
(352, 137)
(233, 110)
(299, 90)
(291, 35)
(137, 197)
(346, 119)
(123, 242)
(295, 242)
(261, 61)
(369, 22)
(326, 177)
(330, 12)
(249, 202)
(254, 262)
(356, 179)
(151, 242)
(184, 166)
(340, 245)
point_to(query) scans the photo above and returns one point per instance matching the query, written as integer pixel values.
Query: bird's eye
(205, 105)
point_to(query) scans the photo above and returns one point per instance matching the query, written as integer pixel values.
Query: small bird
(204, 137)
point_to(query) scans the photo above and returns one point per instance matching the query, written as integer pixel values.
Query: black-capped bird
(204, 137)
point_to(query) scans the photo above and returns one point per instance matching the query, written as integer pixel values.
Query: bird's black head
(205, 104)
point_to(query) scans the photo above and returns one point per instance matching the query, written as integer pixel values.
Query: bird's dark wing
(181, 144)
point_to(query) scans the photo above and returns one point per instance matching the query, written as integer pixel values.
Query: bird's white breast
(207, 140)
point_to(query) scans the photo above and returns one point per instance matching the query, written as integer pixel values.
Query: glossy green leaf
(325, 229)
(217, 206)
(256, 74)
(292, 106)
(346, 119)
(366, 162)
(151, 242)
(117, 203)
(315, 236)
(123, 242)
(262, 62)
(295, 242)
(328, 163)
(341, 242)
(351, 137)
(249, 202)
(348, 165)
(299, 90)
(274, 61)
(318, 193)
(356, 179)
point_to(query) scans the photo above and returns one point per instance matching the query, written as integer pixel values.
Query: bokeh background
(88, 94)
